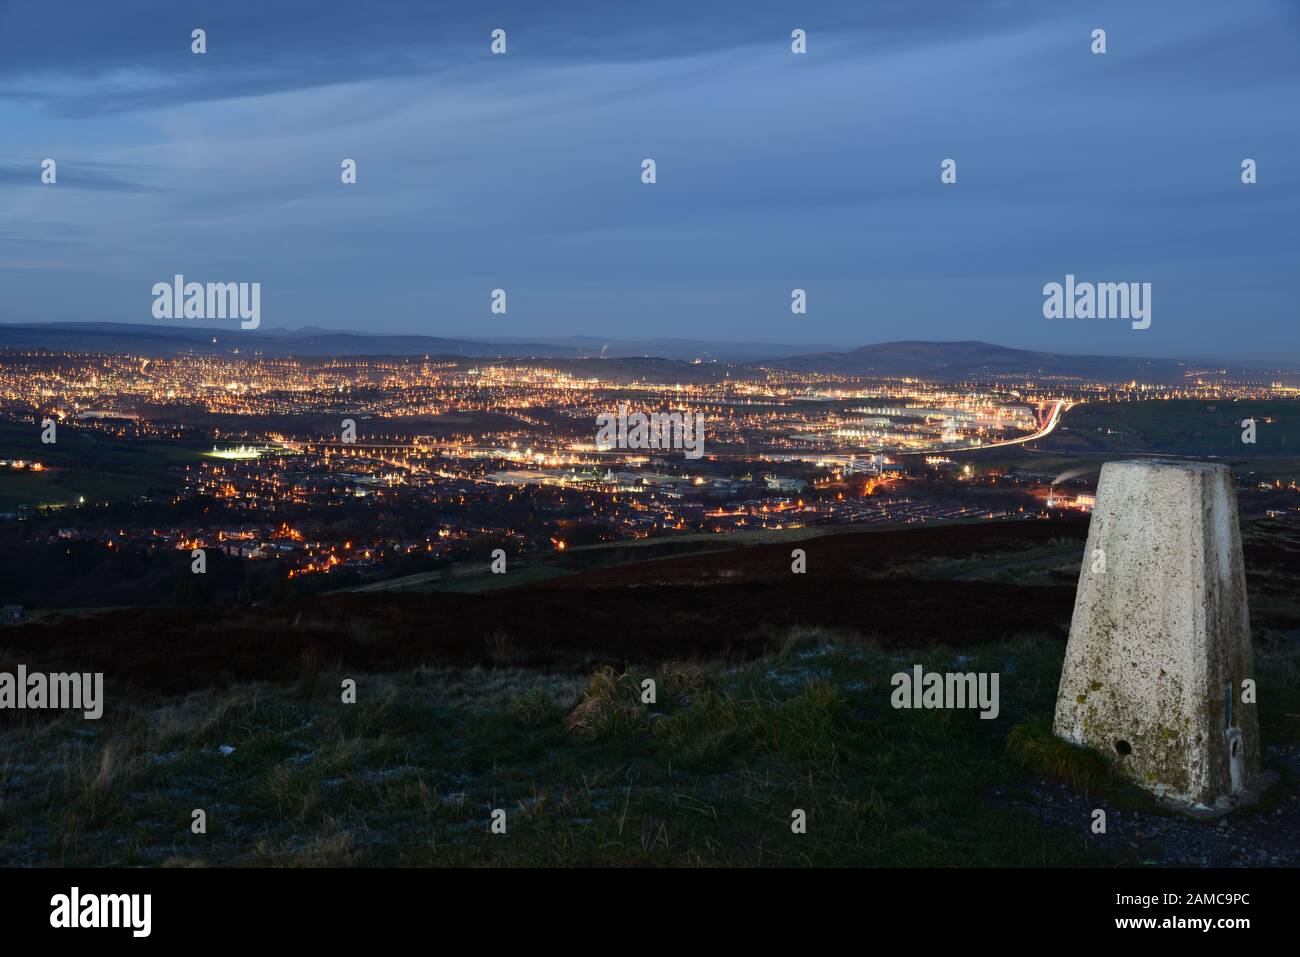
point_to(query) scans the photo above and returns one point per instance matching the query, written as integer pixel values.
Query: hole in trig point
(1123, 748)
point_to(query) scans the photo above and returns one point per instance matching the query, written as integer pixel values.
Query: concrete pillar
(1160, 639)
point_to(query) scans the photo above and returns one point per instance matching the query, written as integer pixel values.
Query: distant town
(356, 469)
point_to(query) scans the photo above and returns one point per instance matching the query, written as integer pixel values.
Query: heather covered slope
(728, 602)
(954, 585)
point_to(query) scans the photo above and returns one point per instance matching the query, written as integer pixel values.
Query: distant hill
(980, 360)
(685, 349)
(147, 340)
(936, 360)
(158, 341)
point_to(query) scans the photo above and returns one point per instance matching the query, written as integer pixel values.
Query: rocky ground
(1267, 835)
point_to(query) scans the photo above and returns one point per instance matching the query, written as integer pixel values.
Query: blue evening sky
(775, 170)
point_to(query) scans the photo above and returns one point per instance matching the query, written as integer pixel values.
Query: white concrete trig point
(1160, 640)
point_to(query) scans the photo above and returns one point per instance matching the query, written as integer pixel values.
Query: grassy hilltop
(454, 720)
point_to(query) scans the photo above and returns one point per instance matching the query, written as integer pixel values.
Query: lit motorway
(1049, 426)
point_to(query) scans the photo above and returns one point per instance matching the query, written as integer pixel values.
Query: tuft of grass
(535, 708)
(1033, 746)
(610, 707)
(805, 642)
(309, 672)
(503, 649)
(715, 730)
(682, 680)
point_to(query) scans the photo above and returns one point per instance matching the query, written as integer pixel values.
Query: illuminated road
(1049, 426)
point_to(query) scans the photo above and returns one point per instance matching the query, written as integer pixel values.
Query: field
(1093, 433)
(57, 487)
(83, 464)
(1186, 427)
